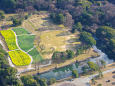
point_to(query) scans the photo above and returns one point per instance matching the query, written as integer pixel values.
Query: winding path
(20, 48)
(29, 67)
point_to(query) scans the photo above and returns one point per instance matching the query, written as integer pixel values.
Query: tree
(57, 18)
(77, 27)
(75, 73)
(99, 85)
(93, 66)
(60, 18)
(100, 74)
(106, 40)
(11, 71)
(78, 2)
(59, 57)
(42, 47)
(17, 22)
(52, 81)
(68, 21)
(105, 32)
(70, 54)
(2, 15)
(43, 82)
(87, 38)
(20, 13)
(8, 4)
(30, 10)
(103, 63)
(84, 69)
(29, 81)
(93, 81)
(85, 18)
(112, 43)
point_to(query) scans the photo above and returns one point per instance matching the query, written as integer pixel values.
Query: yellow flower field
(19, 58)
(10, 39)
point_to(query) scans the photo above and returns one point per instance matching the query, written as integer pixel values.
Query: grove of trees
(106, 40)
(87, 39)
(62, 56)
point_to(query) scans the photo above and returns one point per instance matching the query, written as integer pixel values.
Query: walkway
(84, 81)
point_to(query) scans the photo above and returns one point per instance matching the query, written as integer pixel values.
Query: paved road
(83, 81)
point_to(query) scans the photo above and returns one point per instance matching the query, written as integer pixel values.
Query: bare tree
(68, 20)
(30, 9)
(20, 13)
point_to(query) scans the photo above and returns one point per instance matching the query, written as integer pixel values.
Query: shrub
(52, 81)
(75, 74)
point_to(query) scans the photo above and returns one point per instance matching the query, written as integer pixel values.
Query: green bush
(57, 18)
(17, 22)
(52, 81)
(75, 74)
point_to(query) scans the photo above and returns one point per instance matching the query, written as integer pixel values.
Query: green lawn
(36, 55)
(20, 31)
(26, 42)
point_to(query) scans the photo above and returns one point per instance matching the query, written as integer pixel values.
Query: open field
(35, 22)
(35, 55)
(26, 42)
(19, 58)
(20, 31)
(49, 39)
(39, 23)
(52, 37)
(53, 41)
(10, 39)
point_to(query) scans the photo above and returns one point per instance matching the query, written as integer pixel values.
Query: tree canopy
(87, 39)
(106, 40)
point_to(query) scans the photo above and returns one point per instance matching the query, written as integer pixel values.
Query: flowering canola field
(10, 39)
(18, 57)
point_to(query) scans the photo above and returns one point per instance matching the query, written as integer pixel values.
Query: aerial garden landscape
(35, 50)
(57, 42)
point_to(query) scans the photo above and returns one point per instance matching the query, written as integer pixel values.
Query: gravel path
(30, 49)
(24, 34)
(2, 44)
(9, 60)
(29, 67)
(84, 81)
